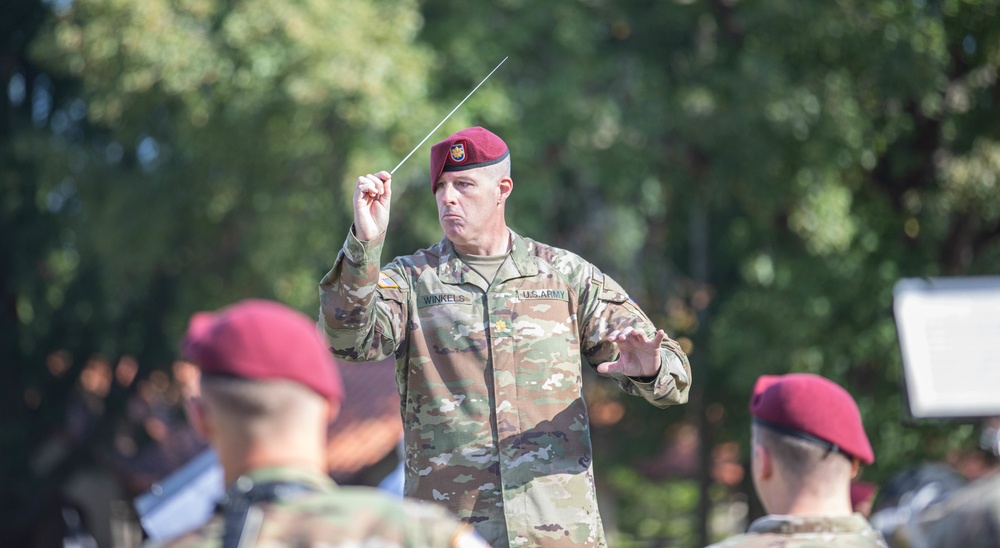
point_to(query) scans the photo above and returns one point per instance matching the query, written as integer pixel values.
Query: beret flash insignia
(458, 152)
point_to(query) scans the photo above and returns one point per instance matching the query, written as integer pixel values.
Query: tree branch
(957, 250)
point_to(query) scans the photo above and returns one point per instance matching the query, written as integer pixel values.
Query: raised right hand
(371, 205)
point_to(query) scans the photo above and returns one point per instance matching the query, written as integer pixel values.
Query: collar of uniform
(453, 271)
(786, 524)
(521, 257)
(291, 474)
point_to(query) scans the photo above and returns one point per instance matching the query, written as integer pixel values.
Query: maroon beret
(261, 340)
(813, 408)
(468, 149)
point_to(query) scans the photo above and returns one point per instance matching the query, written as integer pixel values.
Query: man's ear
(855, 468)
(765, 464)
(505, 187)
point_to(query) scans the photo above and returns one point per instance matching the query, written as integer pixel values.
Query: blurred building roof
(369, 426)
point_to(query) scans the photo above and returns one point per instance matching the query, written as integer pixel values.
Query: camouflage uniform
(969, 518)
(776, 531)
(330, 515)
(490, 377)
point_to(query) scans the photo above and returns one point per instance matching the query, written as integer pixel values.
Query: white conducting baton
(446, 117)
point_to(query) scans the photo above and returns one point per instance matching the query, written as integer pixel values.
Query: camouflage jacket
(330, 515)
(776, 531)
(489, 376)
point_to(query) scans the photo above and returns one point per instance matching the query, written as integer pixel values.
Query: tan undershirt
(485, 265)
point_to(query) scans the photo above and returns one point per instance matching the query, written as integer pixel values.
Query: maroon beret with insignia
(262, 340)
(813, 408)
(468, 149)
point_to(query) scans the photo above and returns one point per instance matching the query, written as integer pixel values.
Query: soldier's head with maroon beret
(808, 441)
(262, 340)
(471, 179)
(269, 385)
(471, 148)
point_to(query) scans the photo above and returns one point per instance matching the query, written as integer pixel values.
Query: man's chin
(454, 238)
(453, 233)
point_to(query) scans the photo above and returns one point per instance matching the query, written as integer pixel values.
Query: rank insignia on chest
(385, 282)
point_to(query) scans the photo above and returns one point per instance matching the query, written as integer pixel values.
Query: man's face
(468, 205)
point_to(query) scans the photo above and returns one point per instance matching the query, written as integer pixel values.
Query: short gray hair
(498, 170)
(260, 408)
(801, 458)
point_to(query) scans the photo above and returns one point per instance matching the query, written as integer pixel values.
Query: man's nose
(447, 194)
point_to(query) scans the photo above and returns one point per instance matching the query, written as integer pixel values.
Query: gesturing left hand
(637, 355)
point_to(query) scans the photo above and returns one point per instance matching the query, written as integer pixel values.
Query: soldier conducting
(269, 389)
(807, 444)
(490, 330)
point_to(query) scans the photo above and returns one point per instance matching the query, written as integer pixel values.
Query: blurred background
(758, 175)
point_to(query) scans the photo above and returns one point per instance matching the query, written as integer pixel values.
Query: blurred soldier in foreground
(807, 444)
(968, 517)
(908, 493)
(269, 389)
(490, 330)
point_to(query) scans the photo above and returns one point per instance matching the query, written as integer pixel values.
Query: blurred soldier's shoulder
(969, 517)
(348, 516)
(802, 531)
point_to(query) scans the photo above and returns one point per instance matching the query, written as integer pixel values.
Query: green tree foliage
(878, 116)
(757, 174)
(241, 116)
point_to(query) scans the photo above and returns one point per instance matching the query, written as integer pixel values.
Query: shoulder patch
(610, 290)
(385, 281)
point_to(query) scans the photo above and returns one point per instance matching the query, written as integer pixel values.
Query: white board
(949, 335)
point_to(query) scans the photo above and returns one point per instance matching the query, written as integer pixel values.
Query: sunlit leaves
(823, 217)
(972, 181)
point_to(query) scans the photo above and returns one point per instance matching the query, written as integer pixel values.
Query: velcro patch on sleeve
(611, 291)
(386, 282)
